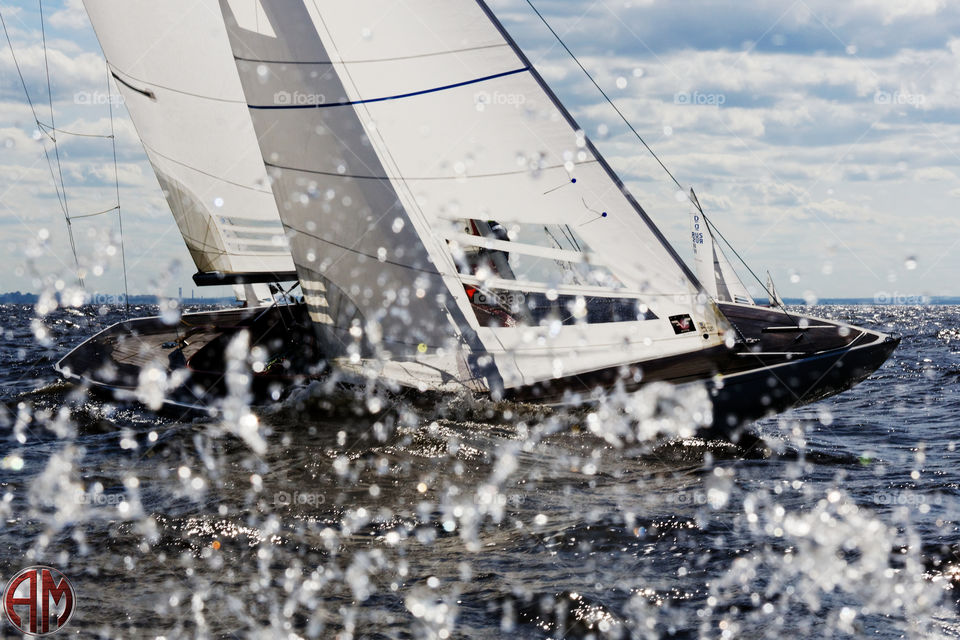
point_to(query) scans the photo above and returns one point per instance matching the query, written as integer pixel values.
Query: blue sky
(821, 137)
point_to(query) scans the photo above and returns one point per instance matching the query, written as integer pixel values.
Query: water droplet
(621, 83)
(910, 263)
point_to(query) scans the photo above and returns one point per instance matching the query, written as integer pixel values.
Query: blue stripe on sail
(396, 97)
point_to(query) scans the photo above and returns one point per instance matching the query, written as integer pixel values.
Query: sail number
(696, 233)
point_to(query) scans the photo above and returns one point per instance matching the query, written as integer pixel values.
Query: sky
(820, 137)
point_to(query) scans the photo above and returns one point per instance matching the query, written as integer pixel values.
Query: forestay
(445, 213)
(173, 67)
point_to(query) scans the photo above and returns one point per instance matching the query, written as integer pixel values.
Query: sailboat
(451, 227)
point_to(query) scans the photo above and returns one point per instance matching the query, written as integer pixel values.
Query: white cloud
(72, 16)
(893, 10)
(933, 174)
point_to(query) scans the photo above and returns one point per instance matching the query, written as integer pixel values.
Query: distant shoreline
(114, 300)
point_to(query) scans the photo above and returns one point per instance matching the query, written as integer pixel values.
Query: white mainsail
(173, 66)
(449, 222)
(712, 266)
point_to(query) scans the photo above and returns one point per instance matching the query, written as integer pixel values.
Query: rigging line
(33, 109)
(53, 178)
(47, 128)
(97, 213)
(710, 225)
(116, 180)
(573, 238)
(17, 65)
(56, 147)
(563, 232)
(644, 142)
(604, 94)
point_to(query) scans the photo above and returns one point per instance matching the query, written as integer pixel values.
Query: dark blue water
(484, 520)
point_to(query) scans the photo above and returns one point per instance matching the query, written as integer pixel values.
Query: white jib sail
(445, 213)
(774, 299)
(713, 269)
(172, 64)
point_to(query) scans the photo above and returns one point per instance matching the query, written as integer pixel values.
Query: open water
(318, 518)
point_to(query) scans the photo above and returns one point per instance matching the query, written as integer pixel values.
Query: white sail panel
(773, 298)
(713, 268)
(734, 285)
(173, 66)
(385, 137)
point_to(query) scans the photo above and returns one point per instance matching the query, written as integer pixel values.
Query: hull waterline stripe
(347, 103)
